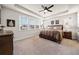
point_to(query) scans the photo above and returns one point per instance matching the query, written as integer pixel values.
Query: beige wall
(18, 35)
(69, 23)
(71, 19)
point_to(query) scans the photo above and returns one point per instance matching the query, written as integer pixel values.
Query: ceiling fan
(45, 9)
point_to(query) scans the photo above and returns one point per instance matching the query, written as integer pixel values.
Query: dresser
(6, 43)
(67, 35)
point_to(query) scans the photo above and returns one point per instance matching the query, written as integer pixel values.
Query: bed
(53, 33)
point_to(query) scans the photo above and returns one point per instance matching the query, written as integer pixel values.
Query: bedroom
(33, 31)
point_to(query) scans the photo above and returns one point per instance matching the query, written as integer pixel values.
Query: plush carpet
(39, 46)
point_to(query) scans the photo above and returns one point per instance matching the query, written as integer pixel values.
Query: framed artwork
(10, 23)
(57, 22)
(52, 22)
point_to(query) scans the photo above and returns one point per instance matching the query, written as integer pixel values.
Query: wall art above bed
(52, 22)
(57, 22)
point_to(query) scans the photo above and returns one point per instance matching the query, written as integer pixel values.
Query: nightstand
(67, 35)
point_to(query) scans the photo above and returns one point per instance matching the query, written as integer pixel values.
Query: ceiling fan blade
(42, 6)
(41, 10)
(49, 10)
(50, 6)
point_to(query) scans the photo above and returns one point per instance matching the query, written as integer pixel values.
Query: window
(23, 23)
(27, 23)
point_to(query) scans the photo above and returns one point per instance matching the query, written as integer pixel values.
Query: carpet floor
(40, 46)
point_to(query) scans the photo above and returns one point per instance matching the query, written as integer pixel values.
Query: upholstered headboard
(56, 27)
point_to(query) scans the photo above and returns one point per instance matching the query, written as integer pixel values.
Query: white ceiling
(58, 8)
(33, 9)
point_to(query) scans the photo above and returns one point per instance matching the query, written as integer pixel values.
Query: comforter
(51, 35)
